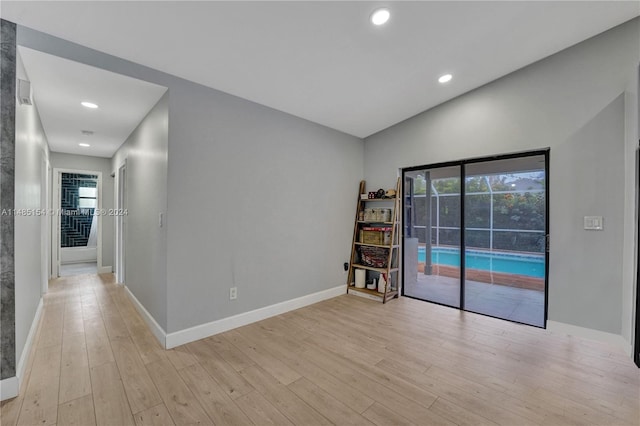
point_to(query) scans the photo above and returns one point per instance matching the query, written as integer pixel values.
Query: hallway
(342, 361)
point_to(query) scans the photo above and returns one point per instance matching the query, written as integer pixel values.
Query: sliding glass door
(505, 238)
(498, 217)
(432, 235)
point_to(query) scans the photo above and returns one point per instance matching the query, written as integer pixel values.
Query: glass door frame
(462, 164)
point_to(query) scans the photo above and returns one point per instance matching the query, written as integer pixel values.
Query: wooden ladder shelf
(375, 247)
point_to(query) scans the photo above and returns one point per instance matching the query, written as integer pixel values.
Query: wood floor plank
(215, 401)
(157, 415)
(114, 324)
(325, 404)
(229, 379)
(148, 346)
(98, 345)
(458, 414)
(78, 412)
(180, 357)
(382, 416)
(40, 404)
(10, 410)
(52, 327)
(331, 384)
(179, 400)
(141, 391)
(575, 409)
(286, 401)
(272, 364)
(73, 321)
(75, 380)
(260, 411)
(228, 352)
(109, 398)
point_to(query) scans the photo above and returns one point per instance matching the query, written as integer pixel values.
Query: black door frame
(462, 163)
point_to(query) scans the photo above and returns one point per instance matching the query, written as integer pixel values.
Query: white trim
(591, 334)
(22, 363)
(225, 324)
(10, 387)
(119, 196)
(105, 270)
(151, 322)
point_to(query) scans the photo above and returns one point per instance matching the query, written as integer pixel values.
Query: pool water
(529, 265)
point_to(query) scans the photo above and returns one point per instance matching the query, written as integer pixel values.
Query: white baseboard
(157, 331)
(105, 270)
(22, 363)
(591, 334)
(225, 324)
(10, 387)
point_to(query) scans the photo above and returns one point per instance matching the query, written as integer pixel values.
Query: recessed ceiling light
(445, 78)
(380, 16)
(89, 105)
(84, 145)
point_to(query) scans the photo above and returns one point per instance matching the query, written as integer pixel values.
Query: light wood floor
(342, 361)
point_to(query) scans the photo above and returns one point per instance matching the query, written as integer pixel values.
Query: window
(87, 198)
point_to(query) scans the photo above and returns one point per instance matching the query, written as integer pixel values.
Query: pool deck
(489, 277)
(519, 304)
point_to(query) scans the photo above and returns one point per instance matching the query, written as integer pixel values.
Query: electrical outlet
(233, 293)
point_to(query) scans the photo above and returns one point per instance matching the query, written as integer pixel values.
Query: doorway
(477, 232)
(78, 233)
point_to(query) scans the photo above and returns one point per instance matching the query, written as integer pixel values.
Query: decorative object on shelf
(361, 277)
(375, 235)
(374, 267)
(382, 282)
(376, 257)
(372, 285)
(368, 215)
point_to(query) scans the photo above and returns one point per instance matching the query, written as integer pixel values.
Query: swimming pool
(510, 263)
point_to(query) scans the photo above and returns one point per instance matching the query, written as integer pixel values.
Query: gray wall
(257, 198)
(145, 153)
(31, 150)
(573, 103)
(97, 164)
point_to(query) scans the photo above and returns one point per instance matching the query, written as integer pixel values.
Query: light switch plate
(594, 223)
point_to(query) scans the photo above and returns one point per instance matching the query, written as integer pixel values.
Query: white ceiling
(59, 85)
(323, 60)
